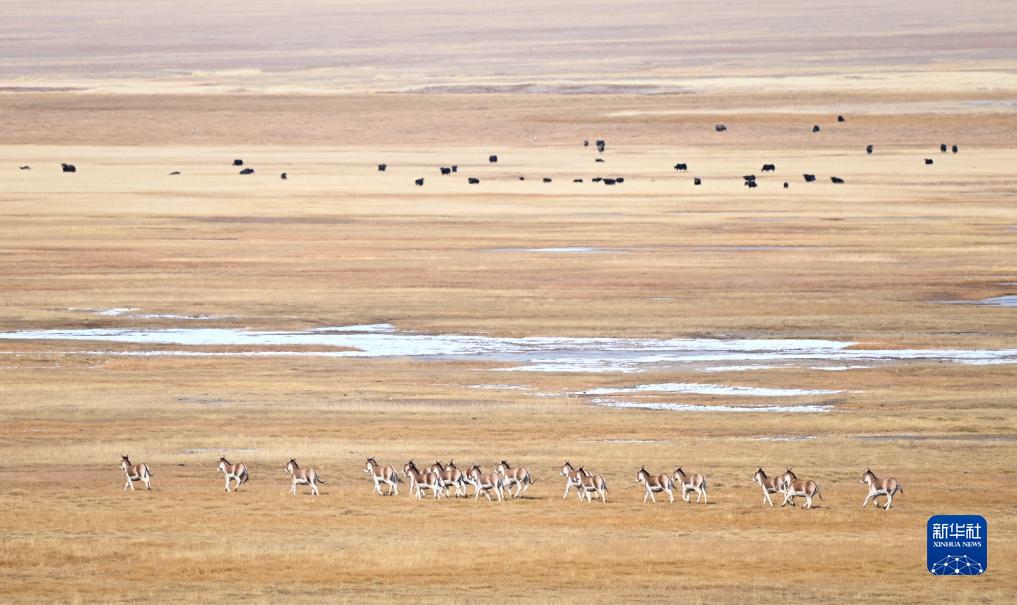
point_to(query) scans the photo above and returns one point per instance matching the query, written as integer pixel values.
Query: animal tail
(819, 493)
(319, 479)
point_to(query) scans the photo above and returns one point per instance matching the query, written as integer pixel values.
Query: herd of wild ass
(749, 180)
(438, 480)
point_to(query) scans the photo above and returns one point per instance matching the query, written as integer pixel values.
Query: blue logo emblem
(956, 545)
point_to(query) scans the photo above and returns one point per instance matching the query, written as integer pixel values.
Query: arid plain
(904, 260)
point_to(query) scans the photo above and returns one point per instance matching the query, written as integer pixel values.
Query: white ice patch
(383, 328)
(787, 438)
(117, 311)
(534, 354)
(1008, 300)
(708, 389)
(736, 409)
(838, 368)
(499, 387)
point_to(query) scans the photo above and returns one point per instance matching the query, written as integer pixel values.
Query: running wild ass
(770, 485)
(695, 482)
(233, 472)
(520, 477)
(572, 479)
(591, 484)
(302, 476)
(655, 483)
(485, 483)
(880, 487)
(793, 486)
(419, 481)
(135, 472)
(450, 476)
(383, 475)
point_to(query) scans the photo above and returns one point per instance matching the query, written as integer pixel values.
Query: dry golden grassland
(871, 261)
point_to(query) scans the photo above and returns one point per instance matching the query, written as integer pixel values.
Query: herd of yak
(601, 145)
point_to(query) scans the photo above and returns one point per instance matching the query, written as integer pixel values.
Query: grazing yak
(455, 168)
(68, 168)
(720, 127)
(942, 147)
(840, 118)
(586, 143)
(247, 171)
(382, 167)
(577, 180)
(836, 180)
(596, 179)
(547, 179)
(868, 149)
(473, 181)
(610, 181)
(815, 128)
(681, 167)
(928, 161)
(174, 173)
(522, 178)
(786, 185)
(493, 159)
(283, 176)
(751, 184)
(25, 167)
(445, 170)
(619, 179)
(697, 181)
(601, 160)
(769, 167)
(809, 178)
(419, 182)
(954, 149)
(749, 177)
(601, 145)
(238, 162)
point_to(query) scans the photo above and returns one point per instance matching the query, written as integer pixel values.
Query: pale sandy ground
(872, 261)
